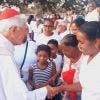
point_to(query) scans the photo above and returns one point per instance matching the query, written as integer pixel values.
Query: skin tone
(61, 28)
(74, 57)
(74, 28)
(54, 50)
(48, 28)
(17, 34)
(68, 52)
(92, 6)
(86, 46)
(42, 57)
(98, 43)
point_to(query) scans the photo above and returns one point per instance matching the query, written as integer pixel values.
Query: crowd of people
(50, 57)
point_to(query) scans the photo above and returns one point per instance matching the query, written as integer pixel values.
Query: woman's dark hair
(49, 20)
(91, 30)
(30, 18)
(45, 48)
(79, 21)
(54, 42)
(70, 40)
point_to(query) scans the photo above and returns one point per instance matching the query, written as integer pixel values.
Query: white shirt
(11, 85)
(36, 29)
(89, 78)
(58, 61)
(43, 39)
(92, 16)
(30, 59)
(62, 35)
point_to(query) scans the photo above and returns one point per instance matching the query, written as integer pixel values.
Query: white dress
(89, 78)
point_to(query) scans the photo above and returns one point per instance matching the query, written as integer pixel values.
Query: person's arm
(30, 77)
(41, 93)
(53, 68)
(51, 81)
(62, 64)
(11, 85)
(65, 87)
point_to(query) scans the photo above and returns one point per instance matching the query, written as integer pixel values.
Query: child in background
(43, 72)
(58, 59)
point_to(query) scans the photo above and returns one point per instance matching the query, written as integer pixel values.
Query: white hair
(62, 22)
(18, 21)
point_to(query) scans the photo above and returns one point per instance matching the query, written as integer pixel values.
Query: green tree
(76, 5)
(49, 5)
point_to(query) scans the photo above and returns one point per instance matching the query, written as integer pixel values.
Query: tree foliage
(51, 5)
(76, 5)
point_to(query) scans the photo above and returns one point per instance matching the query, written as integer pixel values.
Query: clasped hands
(52, 91)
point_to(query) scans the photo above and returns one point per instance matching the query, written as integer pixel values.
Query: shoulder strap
(24, 55)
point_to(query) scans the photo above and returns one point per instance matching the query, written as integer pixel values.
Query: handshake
(52, 91)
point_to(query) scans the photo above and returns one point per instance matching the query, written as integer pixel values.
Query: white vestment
(11, 85)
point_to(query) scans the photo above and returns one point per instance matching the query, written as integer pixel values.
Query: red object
(7, 13)
(68, 78)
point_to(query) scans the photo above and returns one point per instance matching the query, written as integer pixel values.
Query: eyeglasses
(48, 25)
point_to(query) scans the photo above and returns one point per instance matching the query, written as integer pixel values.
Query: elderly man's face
(19, 34)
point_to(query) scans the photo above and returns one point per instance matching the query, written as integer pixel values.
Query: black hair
(45, 48)
(91, 30)
(58, 16)
(70, 40)
(30, 18)
(79, 21)
(54, 42)
(49, 20)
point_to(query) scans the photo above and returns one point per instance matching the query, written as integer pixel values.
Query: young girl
(43, 72)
